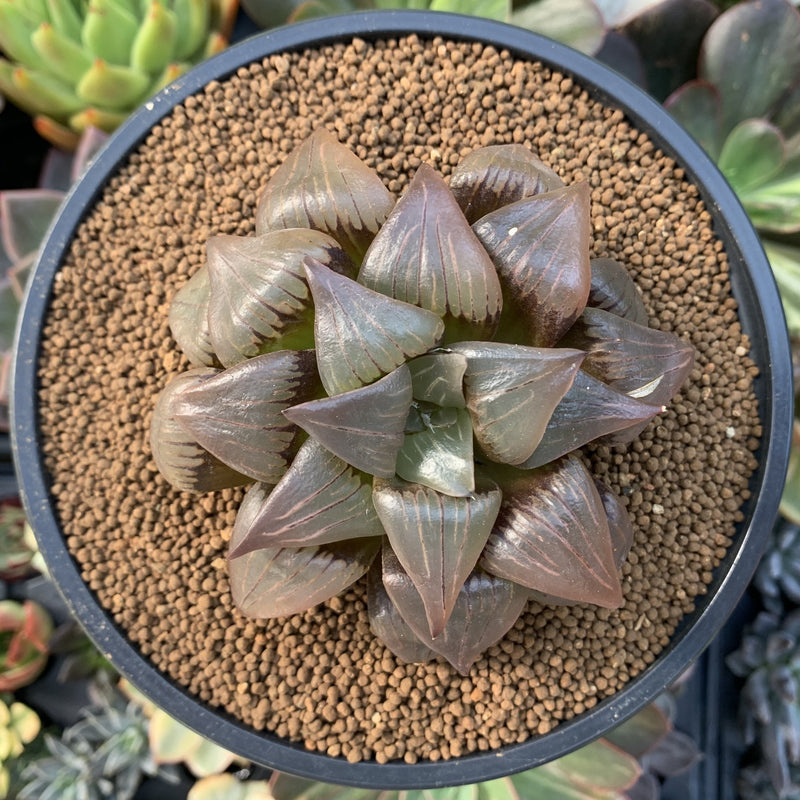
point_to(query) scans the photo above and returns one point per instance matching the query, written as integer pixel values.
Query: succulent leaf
(425, 254)
(552, 535)
(491, 177)
(16, 29)
(753, 153)
(43, 91)
(697, 106)
(64, 17)
(324, 186)
(259, 298)
(153, 45)
(112, 86)
(540, 247)
(237, 414)
(109, 29)
(438, 378)
(192, 25)
(188, 319)
(619, 523)
(25, 216)
(511, 392)
(360, 334)
(365, 426)
(319, 500)
(64, 57)
(612, 289)
(437, 538)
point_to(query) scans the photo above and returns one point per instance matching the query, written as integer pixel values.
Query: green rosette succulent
(405, 385)
(75, 65)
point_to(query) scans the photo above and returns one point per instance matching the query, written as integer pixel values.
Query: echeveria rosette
(353, 362)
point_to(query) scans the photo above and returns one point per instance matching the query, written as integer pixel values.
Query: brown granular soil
(156, 557)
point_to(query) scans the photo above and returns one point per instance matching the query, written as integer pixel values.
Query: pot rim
(760, 313)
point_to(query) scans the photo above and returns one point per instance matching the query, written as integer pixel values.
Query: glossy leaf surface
(365, 426)
(491, 177)
(619, 523)
(697, 106)
(427, 255)
(439, 378)
(360, 334)
(753, 153)
(237, 414)
(325, 186)
(511, 393)
(577, 23)
(436, 538)
(540, 247)
(178, 456)
(319, 500)
(188, 320)
(259, 297)
(552, 535)
(612, 289)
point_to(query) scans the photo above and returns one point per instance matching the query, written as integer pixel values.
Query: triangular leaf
(552, 535)
(188, 319)
(25, 216)
(439, 378)
(259, 297)
(619, 523)
(178, 456)
(491, 177)
(426, 255)
(613, 290)
(237, 414)
(320, 500)
(323, 185)
(648, 364)
(437, 538)
(365, 426)
(486, 608)
(540, 247)
(360, 334)
(511, 392)
(589, 410)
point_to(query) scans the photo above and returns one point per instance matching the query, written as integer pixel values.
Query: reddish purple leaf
(188, 320)
(619, 523)
(613, 290)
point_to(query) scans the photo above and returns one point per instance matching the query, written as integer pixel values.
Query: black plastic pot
(760, 313)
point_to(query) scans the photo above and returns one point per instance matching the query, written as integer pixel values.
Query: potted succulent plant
(152, 285)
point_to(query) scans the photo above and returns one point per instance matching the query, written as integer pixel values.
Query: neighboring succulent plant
(16, 554)
(19, 726)
(777, 577)
(25, 629)
(460, 535)
(76, 65)
(229, 787)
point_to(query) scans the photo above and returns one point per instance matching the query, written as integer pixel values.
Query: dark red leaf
(613, 290)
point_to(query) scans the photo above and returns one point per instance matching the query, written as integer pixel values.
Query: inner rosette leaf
(325, 186)
(360, 334)
(491, 177)
(437, 538)
(438, 378)
(540, 247)
(426, 254)
(511, 393)
(188, 319)
(613, 290)
(259, 298)
(365, 426)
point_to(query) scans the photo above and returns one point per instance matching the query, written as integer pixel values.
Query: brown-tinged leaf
(589, 410)
(511, 392)
(439, 378)
(540, 247)
(613, 290)
(323, 185)
(178, 456)
(440, 455)
(552, 535)
(388, 624)
(237, 414)
(491, 177)
(365, 426)
(437, 538)
(427, 255)
(486, 608)
(259, 298)
(619, 523)
(360, 334)
(645, 363)
(188, 320)
(320, 500)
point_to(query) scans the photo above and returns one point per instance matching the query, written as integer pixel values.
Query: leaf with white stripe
(188, 319)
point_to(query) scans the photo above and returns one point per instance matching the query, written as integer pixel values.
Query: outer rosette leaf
(612, 289)
(188, 319)
(438, 539)
(237, 414)
(588, 411)
(552, 535)
(540, 247)
(425, 254)
(511, 393)
(645, 363)
(323, 185)
(619, 523)
(259, 297)
(360, 334)
(491, 177)
(365, 426)
(178, 456)
(486, 608)
(439, 378)
(320, 500)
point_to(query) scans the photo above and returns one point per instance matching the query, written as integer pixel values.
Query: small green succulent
(405, 385)
(75, 65)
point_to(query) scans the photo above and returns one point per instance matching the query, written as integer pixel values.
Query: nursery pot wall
(759, 312)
